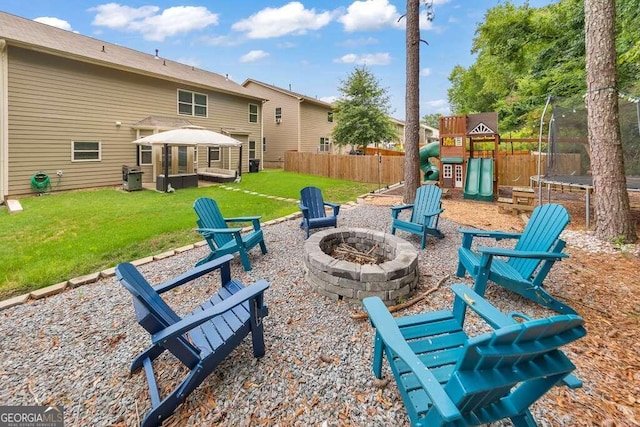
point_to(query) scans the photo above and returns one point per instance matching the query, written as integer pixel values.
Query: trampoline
(567, 157)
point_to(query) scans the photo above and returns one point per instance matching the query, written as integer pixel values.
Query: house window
(278, 114)
(192, 103)
(264, 143)
(325, 145)
(330, 116)
(145, 154)
(253, 113)
(214, 154)
(252, 149)
(85, 151)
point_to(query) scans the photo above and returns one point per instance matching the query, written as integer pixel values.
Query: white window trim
(325, 145)
(249, 150)
(193, 103)
(277, 117)
(257, 114)
(73, 151)
(148, 149)
(209, 160)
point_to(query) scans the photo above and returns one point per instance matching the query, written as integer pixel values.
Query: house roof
(25, 33)
(299, 96)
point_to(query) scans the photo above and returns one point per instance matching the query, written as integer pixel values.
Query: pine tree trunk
(412, 104)
(613, 214)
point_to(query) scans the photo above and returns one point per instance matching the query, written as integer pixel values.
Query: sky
(307, 46)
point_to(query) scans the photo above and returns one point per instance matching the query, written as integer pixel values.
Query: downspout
(4, 120)
(299, 125)
(262, 134)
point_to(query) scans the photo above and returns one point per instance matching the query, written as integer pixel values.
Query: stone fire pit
(393, 278)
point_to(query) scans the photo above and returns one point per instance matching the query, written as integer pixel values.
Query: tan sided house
(292, 122)
(71, 105)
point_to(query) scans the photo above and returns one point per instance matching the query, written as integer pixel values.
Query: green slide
(479, 181)
(429, 170)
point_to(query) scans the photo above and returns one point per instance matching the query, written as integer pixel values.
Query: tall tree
(613, 214)
(412, 104)
(362, 111)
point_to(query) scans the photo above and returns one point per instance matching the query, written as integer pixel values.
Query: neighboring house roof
(33, 35)
(299, 96)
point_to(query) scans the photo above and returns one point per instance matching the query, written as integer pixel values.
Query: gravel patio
(75, 348)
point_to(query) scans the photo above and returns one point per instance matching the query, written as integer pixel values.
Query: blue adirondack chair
(425, 213)
(313, 210)
(200, 340)
(527, 264)
(222, 239)
(447, 378)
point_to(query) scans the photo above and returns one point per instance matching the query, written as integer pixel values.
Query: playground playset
(462, 164)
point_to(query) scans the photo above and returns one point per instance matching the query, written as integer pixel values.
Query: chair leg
(460, 272)
(481, 282)
(263, 247)
(524, 420)
(150, 353)
(424, 240)
(377, 357)
(245, 260)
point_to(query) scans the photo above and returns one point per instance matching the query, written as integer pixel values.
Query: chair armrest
(242, 219)
(191, 321)
(305, 211)
(401, 207)
(520, 254)
(433, 213)
(334, 206)
(208, 231)
(495, 234)
(387, 330)
(491, 315)
(218, 263)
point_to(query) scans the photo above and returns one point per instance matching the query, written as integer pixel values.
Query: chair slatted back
(513, 366)
(209, 216)
(311, 197)
(154, 314)
(428, 199)
(540, 234)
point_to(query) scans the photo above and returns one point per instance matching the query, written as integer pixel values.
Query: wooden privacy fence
(513, 170)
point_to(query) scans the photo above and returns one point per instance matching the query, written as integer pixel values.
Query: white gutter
(4, 120)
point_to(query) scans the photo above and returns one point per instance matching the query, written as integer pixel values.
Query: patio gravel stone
(75, 348)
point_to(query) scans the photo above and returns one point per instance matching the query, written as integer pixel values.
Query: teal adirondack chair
(200, 340)
(527, 264)
(314, 215)
(447, 378)
(222, 239)
(425, 213)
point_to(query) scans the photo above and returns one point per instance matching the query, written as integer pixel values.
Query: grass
(65, 235)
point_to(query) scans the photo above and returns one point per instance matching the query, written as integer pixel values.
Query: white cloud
(152, 25)
(253, 56)
(291, 18)
(54, 22)
(382, 58)
(425, 72)
(370, 15)
(286, 45)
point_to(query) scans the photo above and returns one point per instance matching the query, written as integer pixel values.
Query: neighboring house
(74, 104)
(292, 122)
(427, 134)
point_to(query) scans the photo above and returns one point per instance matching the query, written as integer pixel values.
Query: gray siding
(283, 136)
(314, 126)
(54, 100)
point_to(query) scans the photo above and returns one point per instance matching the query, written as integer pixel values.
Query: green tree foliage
(362, 112)
(432, 120)
(525, 54)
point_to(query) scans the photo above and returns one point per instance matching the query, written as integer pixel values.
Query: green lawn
(65, 235)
